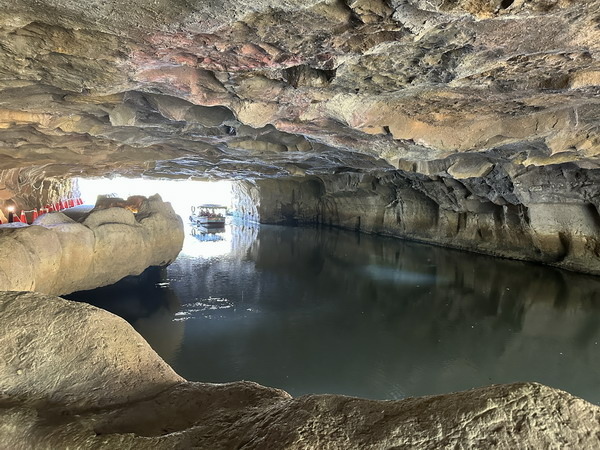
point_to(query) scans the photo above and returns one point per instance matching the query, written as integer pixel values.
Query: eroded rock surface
(58, 255)
(273, 88)
(546, 214)
(51, 400)
(29, 188)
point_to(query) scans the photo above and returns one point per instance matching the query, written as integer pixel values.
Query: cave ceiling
(174, 88)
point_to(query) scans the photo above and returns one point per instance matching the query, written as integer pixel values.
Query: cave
(412, 253)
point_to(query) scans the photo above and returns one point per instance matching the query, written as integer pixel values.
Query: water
(315, 310)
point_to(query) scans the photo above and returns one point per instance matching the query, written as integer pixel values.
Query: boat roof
(212, 205)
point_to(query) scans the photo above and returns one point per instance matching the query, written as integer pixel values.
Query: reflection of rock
(58, 255)
(148, 303)
(164, 334)
(50, 399)
(407, 318)
(243, 237)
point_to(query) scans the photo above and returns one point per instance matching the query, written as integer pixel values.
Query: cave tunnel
(382, 215)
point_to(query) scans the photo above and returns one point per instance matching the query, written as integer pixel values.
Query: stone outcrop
(129, 398)
(28, 188)
(58, 255)
(88, 354)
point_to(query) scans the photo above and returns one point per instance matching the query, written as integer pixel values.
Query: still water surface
(318, 310)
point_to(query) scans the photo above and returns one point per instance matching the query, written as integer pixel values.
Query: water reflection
(320, 310)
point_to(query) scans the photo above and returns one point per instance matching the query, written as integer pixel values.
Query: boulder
(59, 351)
(58, 255)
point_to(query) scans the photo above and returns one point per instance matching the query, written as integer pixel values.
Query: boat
(208, 216)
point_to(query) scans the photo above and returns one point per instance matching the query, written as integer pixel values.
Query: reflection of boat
(208, 234)
(208, 216)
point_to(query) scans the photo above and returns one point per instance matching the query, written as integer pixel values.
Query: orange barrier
(51, 207)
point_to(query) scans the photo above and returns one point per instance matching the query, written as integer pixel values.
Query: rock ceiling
(175, 88)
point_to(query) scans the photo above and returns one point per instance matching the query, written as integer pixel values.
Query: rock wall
(60, 361)
(58, 255)
(547, 214)
(28, 188)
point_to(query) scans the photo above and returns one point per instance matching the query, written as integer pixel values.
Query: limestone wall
(547, 214)
(58, 255)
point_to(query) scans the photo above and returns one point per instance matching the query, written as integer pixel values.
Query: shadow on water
(324, 310)
(148, 303)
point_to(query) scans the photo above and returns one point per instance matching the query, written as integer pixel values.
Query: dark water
(319, 310)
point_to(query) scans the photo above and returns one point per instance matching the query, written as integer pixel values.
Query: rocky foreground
(58, 255)
(72, 375)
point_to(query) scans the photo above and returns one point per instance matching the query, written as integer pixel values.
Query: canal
(320, 310)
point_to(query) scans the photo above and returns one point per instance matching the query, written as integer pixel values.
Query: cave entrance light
(182, 194)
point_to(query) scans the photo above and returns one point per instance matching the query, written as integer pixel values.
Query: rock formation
(58, 255)
(475, 122)
(468, 123)
(29, 188)
(74, 375)
(546, 214)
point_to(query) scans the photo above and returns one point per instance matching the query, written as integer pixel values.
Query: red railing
(30, 215)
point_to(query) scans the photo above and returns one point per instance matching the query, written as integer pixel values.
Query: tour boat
(209, 216)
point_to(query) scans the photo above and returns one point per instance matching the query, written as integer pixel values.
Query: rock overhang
(263, 89)
(462, 117)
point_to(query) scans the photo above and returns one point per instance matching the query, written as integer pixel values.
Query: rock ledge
(101, 386)
(57, 255)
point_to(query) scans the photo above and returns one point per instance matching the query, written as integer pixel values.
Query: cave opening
(316, 309)
(182, 194)
(185, 195)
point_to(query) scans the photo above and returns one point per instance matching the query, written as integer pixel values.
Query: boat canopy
(212, 206)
